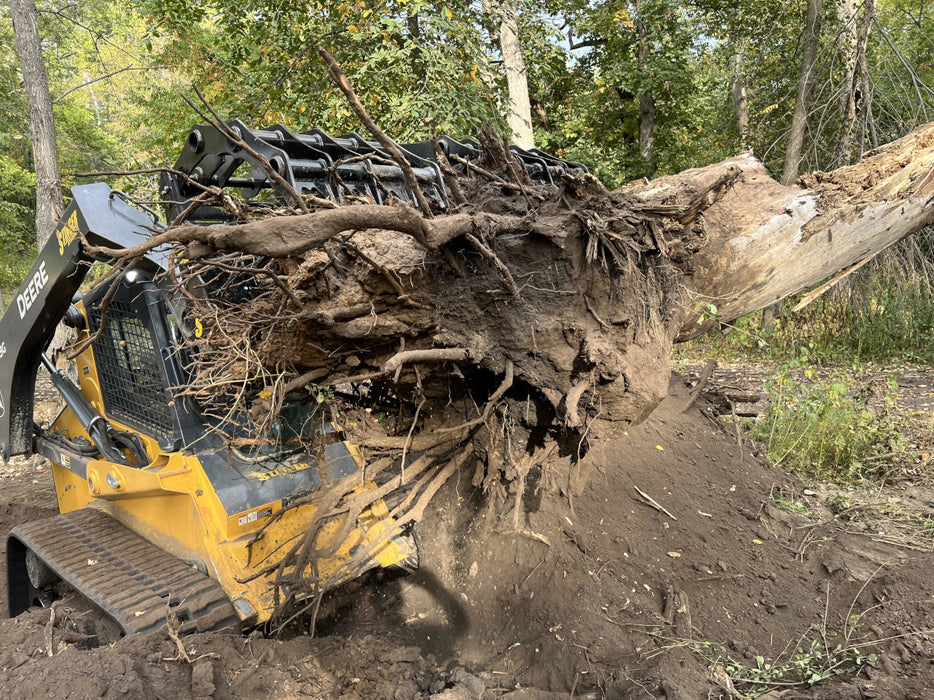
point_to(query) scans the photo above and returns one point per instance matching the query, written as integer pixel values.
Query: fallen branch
(701, 384)
(655, 504)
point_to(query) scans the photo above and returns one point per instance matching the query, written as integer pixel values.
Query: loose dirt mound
(659, 567)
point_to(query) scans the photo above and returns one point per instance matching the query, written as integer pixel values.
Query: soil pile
(654, 569)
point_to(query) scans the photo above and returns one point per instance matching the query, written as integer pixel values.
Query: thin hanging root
(487, 253)
(523, 466)
(120, 272)
(490, 404)
(328, 507)
(447, 172)
(334, 70)
(356, 565)
(493, 177)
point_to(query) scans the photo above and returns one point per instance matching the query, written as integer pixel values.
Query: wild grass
(838, 426)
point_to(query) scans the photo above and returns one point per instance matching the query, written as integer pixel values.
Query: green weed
(786, 499)
(885, 316)
(818, 654)
(811, 662)
(824, 427)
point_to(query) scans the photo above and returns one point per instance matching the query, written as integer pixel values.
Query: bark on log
(767, 241)
(49, 204)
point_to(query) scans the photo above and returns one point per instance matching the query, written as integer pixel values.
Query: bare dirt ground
(671, 574)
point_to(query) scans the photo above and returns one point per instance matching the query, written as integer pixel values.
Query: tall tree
(740, 103)
(855, 97)
(49, 202)
(646, 96)
(517, 84)
(802, 100)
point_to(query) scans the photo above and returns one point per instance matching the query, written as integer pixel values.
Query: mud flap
(128, 578)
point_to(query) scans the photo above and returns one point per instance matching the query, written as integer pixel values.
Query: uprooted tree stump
(512, 332)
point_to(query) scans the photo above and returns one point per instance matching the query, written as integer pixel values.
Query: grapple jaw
(336, 168)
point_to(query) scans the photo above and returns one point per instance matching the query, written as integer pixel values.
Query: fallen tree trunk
(767, 241)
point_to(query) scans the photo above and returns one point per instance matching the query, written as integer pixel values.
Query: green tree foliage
(593, 111)
(97, 117)
(419, 67)
(17, 180)
(901, 73)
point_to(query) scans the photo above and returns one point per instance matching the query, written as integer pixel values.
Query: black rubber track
(127, 577)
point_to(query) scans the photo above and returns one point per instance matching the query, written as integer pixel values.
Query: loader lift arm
(99, 216)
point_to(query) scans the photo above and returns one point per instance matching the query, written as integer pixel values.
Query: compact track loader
(159, 513)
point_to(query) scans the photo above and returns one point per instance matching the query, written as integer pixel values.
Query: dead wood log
(766, 241)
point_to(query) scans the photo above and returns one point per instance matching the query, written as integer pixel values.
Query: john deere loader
(160, 512)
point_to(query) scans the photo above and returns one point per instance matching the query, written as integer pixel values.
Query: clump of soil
(652, 570)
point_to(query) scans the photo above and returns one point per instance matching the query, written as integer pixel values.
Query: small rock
(458, 692)
(472, 571)
(460, 676)
(202, 679)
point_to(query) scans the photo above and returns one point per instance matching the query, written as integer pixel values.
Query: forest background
(630, 89)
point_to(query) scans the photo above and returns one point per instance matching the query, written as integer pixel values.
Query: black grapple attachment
(542, 168)
(333, 168)
(337, 168)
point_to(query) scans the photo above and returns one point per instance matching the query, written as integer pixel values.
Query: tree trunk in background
(740, 104)
(646, 103)
(868, 122)
(520, 110)
(49, 203)
(741, 108)
(846, 15)
(416, 60)
(853, 100)
(647, 132)
(805, 82)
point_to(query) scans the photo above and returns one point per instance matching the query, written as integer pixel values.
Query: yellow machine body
(172, 503)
